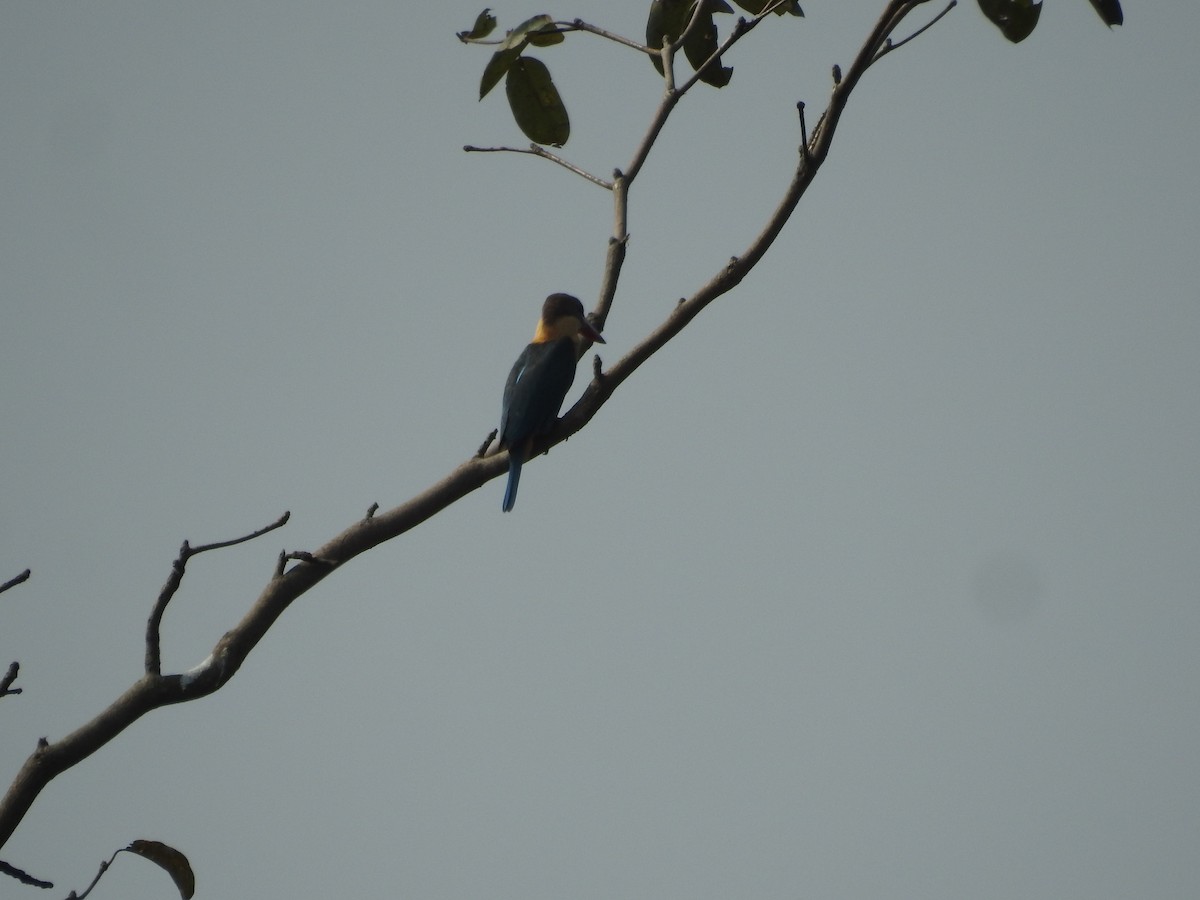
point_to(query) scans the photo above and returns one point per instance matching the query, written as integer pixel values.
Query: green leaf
(536, 106)
(485, 24)
(497, 67)
(520, 35)
(1016, 19)
(701, 43)
(667, 19)
(791, 7)
(513, 45)
(170, 859)
(546, 36)
(1110, 12)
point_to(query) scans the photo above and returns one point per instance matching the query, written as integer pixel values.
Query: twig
(889, 46)
(536, 150)
(13, 582)
(487, 442)
(803, 128)
(580, 25)
(6, 687)
(178, 567)
(103, 868)
(23, 877)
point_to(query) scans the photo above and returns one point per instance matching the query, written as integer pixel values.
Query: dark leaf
(519, 35)
(546, 36)
(1110, 12)
(1016, 19)
(535, 103)
(791, 7)
(174, 862)
(701, 43)
(485, 23)
(667, 19)
(512, 46)
(497, 67)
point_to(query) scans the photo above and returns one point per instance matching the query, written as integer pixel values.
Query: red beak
(591, 333)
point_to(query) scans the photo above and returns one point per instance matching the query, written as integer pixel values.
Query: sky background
(881, 581)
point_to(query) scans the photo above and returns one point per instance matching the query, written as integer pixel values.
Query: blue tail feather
(514, 478)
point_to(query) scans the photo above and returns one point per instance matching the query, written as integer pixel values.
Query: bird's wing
(536, 388)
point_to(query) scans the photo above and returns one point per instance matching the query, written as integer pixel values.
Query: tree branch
(23, 877)
(10, 676)
(580, 25)
(186, 552)
(154, 690)
(13, 582)
(538, 150)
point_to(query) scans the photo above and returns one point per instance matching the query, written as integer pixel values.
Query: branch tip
(6, 683)
(487, 442)
(13, 582)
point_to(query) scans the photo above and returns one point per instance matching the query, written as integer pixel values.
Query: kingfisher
(539, 381)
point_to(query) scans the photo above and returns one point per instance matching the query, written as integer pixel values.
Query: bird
(539, 381)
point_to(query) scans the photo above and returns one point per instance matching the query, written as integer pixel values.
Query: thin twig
(178, 568)
(889, 46)
(13, 582)
(535, 150)
(221, 545)
(103, 868)
(580, 25)
(10, 676)
(23, 877)
(487, 442)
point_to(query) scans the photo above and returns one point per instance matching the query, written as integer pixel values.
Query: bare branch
(537, 150)
(580, 25)
(186, 552)
(13, 582)
(888, 46)
(483, 448)
(103, 868)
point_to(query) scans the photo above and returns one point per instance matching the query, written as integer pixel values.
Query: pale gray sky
(880, 582)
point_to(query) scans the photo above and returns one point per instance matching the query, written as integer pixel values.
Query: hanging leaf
(520, 35)
(701, 43)
(536, 106)
(513, 46)
(669, 18)
(1110, 12)
(172, 861)
(497, 68)
(1016, 19)
(545, 36)
(791, 7)
(485, 24)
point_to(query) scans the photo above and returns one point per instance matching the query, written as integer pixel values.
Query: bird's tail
(514, 478)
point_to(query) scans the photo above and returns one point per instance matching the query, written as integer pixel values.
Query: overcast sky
(881, 581)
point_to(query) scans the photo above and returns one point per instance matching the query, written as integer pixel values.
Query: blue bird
(539, 381)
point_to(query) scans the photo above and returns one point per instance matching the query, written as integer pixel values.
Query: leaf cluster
(536, 105)
(1016, 19)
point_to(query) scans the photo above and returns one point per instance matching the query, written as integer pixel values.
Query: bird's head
(563, 317)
